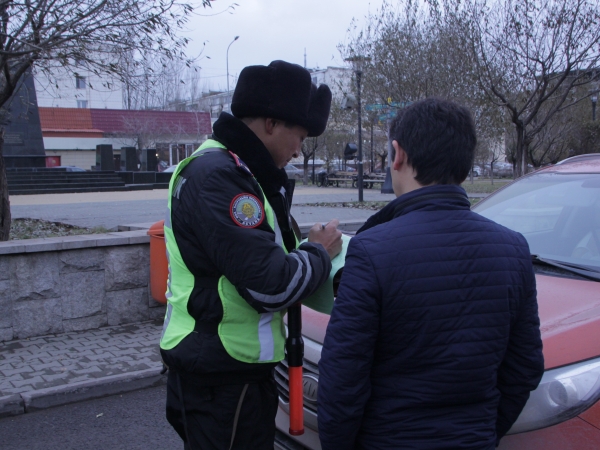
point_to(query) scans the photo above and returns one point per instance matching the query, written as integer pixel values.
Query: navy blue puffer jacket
(434, 338)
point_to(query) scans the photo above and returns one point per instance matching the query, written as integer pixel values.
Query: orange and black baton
(295, 354)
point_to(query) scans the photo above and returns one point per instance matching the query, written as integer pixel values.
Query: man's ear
(399, 156)
(270, 125)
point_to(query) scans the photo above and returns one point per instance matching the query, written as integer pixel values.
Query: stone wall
(56, 285)
(75, 283)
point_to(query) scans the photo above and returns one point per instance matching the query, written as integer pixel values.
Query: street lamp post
(358, 64)
(360, 154)
(594, 99)
(227, 60)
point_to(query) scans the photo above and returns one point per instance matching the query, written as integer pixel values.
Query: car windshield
(558, 214)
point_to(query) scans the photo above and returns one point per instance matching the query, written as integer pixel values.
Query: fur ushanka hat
(282, 91)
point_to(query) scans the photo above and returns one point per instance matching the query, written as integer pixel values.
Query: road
(131, 421)
(111, 209)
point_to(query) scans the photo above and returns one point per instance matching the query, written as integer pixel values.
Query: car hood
(569, 314)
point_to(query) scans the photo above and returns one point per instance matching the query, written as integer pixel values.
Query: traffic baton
(295, 354)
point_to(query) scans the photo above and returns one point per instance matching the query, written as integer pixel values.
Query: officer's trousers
(210, 413)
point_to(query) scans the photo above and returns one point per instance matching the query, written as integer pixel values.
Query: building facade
(73, 133)
(82, 89)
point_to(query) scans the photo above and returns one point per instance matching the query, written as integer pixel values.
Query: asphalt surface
(130, 421)
(113, 209)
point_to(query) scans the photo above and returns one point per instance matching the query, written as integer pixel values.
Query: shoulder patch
(247, 211)
(241, 164)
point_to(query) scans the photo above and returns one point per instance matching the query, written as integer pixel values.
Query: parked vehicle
(477, 171)
(170, 169)
(70, 168)
(557, 209)
(293, 172)
(500, 170)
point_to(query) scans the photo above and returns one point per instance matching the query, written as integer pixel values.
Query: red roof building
(73, 133)
(67, 122)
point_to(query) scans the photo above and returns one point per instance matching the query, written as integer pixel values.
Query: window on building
(79, 82)
(314, 80)
(82, 103)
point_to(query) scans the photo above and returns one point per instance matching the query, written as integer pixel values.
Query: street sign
(376, 107)
(386, 106)
(387, 116)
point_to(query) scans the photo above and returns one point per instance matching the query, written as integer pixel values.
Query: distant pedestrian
(434, 339)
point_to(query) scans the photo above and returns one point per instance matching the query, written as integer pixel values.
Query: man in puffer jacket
(434, 339)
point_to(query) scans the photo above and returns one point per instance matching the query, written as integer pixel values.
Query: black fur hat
(282, 91)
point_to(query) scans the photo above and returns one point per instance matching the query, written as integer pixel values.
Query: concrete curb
(11, 405)
(86, 390)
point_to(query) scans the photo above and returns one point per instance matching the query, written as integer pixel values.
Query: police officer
(235, 264)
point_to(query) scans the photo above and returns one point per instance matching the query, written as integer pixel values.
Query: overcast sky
(269, 30)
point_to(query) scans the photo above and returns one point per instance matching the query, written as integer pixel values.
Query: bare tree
(93, 33)
(411, 54)
(532, 58)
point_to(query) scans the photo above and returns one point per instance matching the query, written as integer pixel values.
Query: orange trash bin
(159, 267)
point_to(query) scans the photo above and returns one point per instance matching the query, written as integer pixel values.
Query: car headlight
(562, 394)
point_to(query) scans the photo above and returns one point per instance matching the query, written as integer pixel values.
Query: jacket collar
(436, 197)
(237, 137)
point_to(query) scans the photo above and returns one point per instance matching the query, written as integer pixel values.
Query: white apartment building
(83, 89)
(338, 79)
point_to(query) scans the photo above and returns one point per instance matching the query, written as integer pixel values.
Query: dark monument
(23, 142)
(149, 160)
(104, 157)
(129, 159)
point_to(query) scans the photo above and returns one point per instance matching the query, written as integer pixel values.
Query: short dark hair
(439, 139)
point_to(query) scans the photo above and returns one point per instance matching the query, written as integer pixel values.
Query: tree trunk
(520, 154)
(4, 201)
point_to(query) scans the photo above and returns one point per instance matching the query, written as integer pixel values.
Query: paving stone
(87, 370)
(5, 385)
(18, 390)
(79, 379)
(128, 351)
(31, 381)
(43, 366)
(20, 370)
(101, 356)
(56, 376)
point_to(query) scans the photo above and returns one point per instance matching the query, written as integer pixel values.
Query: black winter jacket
(212, 243)
(434, 339)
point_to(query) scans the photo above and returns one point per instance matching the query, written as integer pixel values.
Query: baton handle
(295, 354)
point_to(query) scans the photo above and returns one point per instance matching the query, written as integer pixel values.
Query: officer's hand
(328, 236)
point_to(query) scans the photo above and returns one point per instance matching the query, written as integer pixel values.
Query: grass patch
(484, 186)
(37, 228)
(375, 206)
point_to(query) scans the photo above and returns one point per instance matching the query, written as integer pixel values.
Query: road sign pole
(360, 155)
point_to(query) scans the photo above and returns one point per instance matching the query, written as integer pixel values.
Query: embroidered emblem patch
(247, 211)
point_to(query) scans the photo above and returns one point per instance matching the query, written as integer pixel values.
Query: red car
(557, 209)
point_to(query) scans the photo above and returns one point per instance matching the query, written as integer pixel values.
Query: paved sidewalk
(43, 372)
